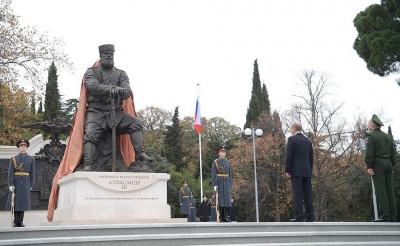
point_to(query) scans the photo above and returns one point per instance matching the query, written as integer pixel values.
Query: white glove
(12, 188)
(215, 188)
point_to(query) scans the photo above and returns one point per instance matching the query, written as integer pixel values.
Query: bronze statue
(104, 83)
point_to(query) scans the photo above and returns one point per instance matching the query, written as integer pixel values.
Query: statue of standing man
(103, 83)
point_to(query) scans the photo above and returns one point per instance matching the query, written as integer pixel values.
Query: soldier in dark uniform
(192, 209)
(184, 199)
(205, 209)
(213, 213)
(102, 83)
(222, 182)
(233, 210)
(21, 178)
(380, 158)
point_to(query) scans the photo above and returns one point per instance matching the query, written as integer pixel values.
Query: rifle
(113, 134)
(216, 205)
(12, 208)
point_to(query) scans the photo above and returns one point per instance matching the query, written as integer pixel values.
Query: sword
(12, 208)
(113, 134)
(374, 200)
(216, 205)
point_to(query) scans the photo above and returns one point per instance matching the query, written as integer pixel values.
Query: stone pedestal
(112, 197)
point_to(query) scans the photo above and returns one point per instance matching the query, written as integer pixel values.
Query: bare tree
(332, 139)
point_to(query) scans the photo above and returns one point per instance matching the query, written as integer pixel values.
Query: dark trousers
(302, 197)
(383, 182)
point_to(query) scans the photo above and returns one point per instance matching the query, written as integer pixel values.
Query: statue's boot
(89, 149)
(137, 142)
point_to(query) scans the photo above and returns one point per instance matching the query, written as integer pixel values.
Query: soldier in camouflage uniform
(380, 158)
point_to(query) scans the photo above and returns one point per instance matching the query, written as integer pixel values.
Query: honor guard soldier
(21, 178)
(213, 212)
(380, 158)
(222, 182)
(192, 211)
(184, 199)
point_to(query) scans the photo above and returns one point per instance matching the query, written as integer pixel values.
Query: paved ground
(31, 218)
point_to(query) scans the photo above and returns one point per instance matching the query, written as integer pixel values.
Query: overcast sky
(167, 47)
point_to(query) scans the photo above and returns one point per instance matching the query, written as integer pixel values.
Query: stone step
(248, 233)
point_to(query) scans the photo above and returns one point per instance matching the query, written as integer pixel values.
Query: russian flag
(197, 116)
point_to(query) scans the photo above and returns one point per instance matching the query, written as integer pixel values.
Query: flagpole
(201, 166)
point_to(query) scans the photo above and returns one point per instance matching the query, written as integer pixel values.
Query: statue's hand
(123, 92)
(114, 91)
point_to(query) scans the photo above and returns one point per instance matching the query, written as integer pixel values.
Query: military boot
(15, 219)
(225, 219)
(21, 219)
(137, 142)
(89, 149)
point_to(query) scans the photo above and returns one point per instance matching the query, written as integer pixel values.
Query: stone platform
(116, 197)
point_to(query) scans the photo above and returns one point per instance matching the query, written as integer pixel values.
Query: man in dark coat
(380, 158)
(222, 182)
(233, 210)
(299, 167)
(205, 209)
(103, 83)
(21, 178)
(184, 199)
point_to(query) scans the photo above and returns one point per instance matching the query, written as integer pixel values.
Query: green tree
(33, 103)
(69, 108)
(155, 121)
(16, 112)
(52, 100)
(266, 105)
(173, 142)
(378, 39)
(40, 109)
(256, 103)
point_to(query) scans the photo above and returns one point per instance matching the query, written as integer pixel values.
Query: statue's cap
(106, 47)
(376, 120)
(21, 141)
(184, 181)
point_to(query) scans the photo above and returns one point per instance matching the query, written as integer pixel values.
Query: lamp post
(251, 132)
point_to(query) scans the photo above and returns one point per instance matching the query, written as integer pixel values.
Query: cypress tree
(40, 109)
(52, 100)
(266, 106)
(173, 142)
(33, 102)
(255, 104)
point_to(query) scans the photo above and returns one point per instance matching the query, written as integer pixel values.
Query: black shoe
(382, 220)
(21, 225)
(296, 220)
(310, 220)
(225, 220)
